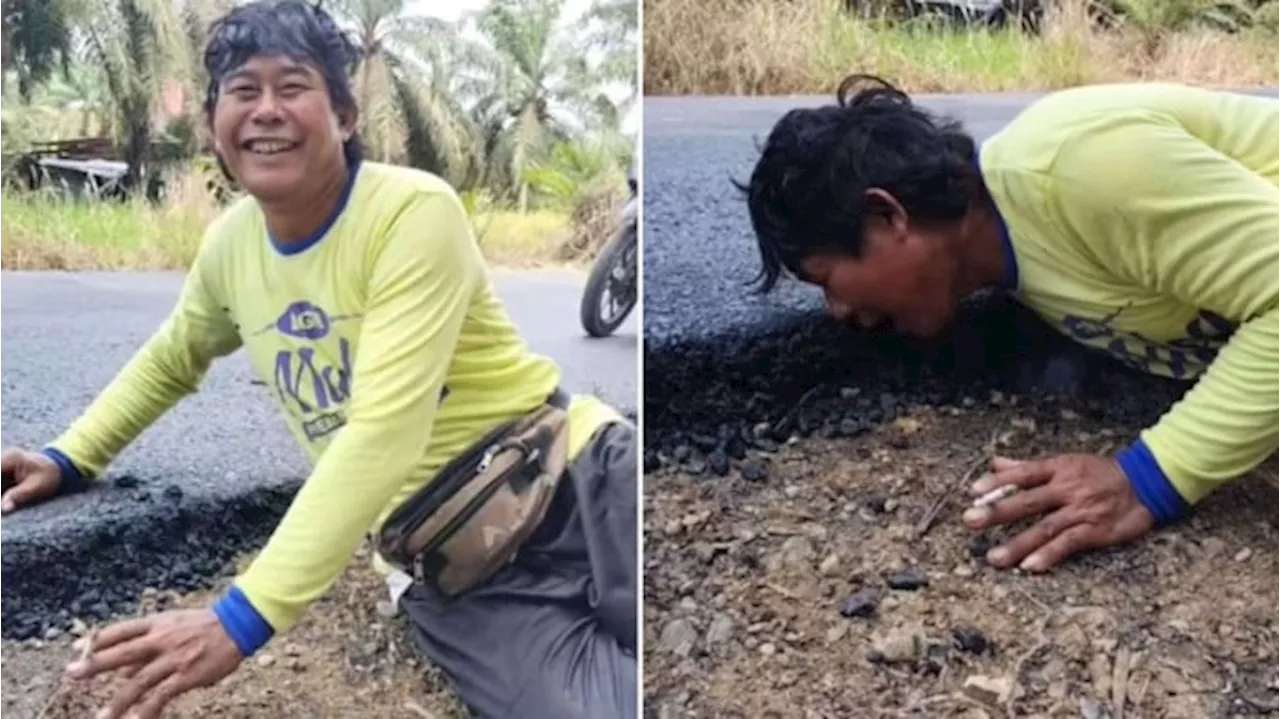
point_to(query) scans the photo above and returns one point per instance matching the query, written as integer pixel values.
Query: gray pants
(553, 634)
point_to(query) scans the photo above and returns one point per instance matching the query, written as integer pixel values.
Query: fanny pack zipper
(469, 510)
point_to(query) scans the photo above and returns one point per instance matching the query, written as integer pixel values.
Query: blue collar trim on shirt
(293, 248)
(1010, 279)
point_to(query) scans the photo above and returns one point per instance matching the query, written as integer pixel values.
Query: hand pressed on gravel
(163, 656)
(1084, 501)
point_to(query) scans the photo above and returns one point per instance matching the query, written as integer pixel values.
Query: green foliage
(1266, 18)
(37, 41)
(569, 168)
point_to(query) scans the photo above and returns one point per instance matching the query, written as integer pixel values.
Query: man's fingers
(157, 699)
(1001, 464)
(24, 493)
(1031, 539)
(138, 651)
(1075, 539)
(1021, 474)
(149, 676)
(1028, 503)
(8, 466)
(123, 631)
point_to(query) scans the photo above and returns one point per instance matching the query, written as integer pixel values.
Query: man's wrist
(242, 622)
(72, 479)
(1151, 484)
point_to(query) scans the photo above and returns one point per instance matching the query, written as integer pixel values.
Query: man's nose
(267, 109)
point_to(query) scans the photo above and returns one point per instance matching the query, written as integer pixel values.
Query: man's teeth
(269, 147)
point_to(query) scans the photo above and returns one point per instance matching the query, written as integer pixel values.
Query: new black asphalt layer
(213, 476)
(726, 370)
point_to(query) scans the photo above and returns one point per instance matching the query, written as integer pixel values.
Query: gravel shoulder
(342, 660)
(748, 583)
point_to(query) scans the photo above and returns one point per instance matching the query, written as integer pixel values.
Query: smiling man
(360, 295)
(1140, 220)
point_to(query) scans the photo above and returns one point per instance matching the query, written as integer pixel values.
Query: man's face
(904, 279)
(276, 128)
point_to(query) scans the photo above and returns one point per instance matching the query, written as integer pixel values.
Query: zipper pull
(487, 459)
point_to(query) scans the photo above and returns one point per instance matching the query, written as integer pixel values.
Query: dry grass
(41, 232)
(757, 47)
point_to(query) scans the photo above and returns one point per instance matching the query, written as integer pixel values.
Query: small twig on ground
(948, 698)
(63, 686)
(804, 399)
(1021, 663)
(783, 591)
(984, 457)
(1268, 704)
(1028, 596)
(1120, 681)
(931, 515)
(418, 710)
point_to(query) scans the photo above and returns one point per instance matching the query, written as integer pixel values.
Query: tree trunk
(137, 144)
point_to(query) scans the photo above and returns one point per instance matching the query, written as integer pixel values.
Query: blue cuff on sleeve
(242, 622)
(73, 480)
(1149, 482)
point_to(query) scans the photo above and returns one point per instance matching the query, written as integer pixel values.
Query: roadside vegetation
(519, 105)
(761, 47)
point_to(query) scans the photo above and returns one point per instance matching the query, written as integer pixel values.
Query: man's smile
(268, 146)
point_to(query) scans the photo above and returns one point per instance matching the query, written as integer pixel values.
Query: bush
(594, 220)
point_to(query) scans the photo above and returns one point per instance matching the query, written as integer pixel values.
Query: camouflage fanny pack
(472, 518)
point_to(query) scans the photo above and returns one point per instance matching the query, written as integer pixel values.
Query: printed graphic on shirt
(312, 373)
(1182, 358)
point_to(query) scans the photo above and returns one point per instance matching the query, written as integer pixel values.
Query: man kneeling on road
(1140, 220)
(358, 290)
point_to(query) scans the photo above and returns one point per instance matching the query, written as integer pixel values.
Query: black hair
(300, 30)
(807, 193)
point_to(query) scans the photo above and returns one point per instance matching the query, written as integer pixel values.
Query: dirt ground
(748, 580)
(342, 660)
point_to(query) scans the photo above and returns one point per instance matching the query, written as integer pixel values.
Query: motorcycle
(612, 286)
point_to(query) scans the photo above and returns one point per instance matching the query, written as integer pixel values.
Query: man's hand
(163, 656)
(1086, 499)
(28, 477)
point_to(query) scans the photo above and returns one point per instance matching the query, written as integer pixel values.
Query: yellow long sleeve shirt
(1142, 220)
(383, 344)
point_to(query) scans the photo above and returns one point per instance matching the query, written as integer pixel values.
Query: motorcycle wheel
(600, 313)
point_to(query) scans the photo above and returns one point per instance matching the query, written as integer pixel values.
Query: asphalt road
(717, 357)
(212, 474)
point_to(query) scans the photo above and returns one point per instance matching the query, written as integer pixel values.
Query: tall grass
(749, 47)
(44, 232)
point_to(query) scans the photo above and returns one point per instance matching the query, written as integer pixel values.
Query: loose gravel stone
(907, 580)
(860, 604)
(755, 470)
(970, 639)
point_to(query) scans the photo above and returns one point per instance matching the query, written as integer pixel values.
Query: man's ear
(884, 208)
(348, 119)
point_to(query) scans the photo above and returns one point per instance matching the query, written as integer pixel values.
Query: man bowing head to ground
(1139, 220)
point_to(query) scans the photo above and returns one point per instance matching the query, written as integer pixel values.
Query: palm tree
(611, 27)
(36, 40)
(139, 46)
(529, 82)
(408, 112)
(80, 100)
